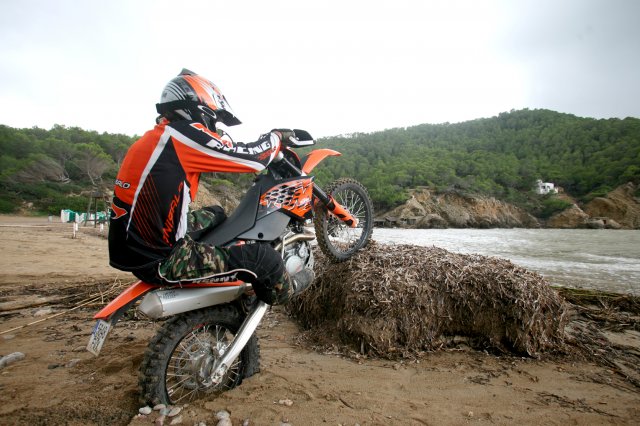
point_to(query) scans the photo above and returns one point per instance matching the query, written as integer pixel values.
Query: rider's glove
(284, 134)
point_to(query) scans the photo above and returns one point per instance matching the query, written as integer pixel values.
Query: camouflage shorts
(192, 261)
(208, 217)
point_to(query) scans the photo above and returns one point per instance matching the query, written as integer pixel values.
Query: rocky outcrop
(572, 217)
(432, 221)
(426, 209)
(619, 207)
(220, 195)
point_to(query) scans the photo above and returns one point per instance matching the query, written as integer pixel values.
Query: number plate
(98, 336)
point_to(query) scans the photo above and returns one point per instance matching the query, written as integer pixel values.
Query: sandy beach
(51, 284)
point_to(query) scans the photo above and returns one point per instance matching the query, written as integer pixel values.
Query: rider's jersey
(159, 178)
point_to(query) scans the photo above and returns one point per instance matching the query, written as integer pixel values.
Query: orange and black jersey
(158, 180)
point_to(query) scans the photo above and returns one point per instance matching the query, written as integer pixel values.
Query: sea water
(598, 259)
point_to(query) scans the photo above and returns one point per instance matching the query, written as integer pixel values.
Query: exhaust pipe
(173, 301)
(295, 238)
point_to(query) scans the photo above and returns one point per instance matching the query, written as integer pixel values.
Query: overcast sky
(330, 67)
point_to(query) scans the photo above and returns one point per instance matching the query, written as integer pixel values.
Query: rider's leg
(272, 284)
(191, 261)
(198, 221)
(258, 263)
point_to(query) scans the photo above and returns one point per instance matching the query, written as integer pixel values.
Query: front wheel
(178, 361)
(337, 240)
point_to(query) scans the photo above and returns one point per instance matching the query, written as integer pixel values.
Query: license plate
(98, 336)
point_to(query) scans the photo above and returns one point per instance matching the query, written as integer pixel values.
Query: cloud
(331, 67)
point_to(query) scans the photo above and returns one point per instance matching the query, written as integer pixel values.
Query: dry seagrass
(401, 300)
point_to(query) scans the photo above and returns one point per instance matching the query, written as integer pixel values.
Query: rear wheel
(177, 364)
(336, 239)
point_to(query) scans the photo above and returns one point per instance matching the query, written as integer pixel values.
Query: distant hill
(45, 171)
(502, 157)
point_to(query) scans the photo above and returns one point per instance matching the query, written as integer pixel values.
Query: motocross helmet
(193, 97)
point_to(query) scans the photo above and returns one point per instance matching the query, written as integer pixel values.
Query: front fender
(311, 160)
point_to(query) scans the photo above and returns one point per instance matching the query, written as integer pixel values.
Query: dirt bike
(208, 343)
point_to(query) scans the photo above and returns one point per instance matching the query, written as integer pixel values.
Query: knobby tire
(327, 226)
(152, 381)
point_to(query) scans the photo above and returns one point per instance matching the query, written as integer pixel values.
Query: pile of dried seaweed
(402, 300)
(605, 328)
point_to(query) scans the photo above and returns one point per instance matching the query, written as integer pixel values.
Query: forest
(502, 156)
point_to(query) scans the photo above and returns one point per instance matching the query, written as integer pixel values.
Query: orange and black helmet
(195, 98)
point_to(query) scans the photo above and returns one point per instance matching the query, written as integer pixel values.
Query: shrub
(7, 206)
(56, 203)
(599, 192)
(553, 205)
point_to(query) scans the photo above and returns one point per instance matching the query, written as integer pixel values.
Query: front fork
(334, 207)
(232, 352)
(249, 325)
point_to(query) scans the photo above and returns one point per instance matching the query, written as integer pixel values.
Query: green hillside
(501, 156)
(44, 171)
(48, 170)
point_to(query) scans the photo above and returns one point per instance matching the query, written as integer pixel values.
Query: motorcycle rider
(153, 234)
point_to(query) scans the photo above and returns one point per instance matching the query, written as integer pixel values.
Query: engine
(298, 256)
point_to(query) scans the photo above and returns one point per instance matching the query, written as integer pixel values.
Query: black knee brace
(264, 262)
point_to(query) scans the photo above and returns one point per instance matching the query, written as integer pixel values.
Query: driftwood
(401, 300)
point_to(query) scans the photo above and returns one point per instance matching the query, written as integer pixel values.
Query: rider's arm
(201, 150)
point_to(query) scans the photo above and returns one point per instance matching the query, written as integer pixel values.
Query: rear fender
(316, 156)
(124, 301)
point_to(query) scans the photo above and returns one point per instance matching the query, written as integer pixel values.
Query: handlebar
(300, 138)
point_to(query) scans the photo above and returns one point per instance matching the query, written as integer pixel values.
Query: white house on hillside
(543, 188)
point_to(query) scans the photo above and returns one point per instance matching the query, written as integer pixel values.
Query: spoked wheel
(336, 239)
(178, 362)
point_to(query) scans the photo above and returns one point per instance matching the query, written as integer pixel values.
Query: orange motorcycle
(208, 343)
